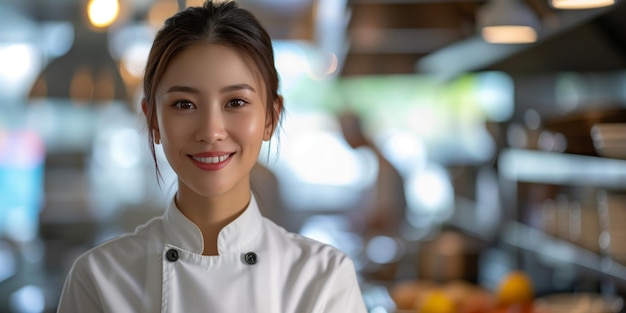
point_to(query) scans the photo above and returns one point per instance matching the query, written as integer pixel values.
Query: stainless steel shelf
(562, 169)
(560, 251)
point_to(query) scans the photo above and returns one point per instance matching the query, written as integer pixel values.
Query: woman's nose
(211, 127)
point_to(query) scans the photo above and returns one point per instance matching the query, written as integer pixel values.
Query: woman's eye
(185, 105)
(235, 103)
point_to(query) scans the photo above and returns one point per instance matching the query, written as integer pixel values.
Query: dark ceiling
(389, 37)
(440, 37)
(598, 44)
(435, 36)
(424, 36)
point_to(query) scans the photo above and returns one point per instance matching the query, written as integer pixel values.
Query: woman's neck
(211, 214)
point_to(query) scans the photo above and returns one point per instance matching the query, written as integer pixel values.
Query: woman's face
(211, 119)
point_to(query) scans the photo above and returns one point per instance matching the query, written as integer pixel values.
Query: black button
(250, 258)
(172, 255)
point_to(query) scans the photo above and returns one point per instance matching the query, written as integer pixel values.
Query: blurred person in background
(383, 206)
(210, 99)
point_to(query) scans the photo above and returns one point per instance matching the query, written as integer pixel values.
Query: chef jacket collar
(233, 238)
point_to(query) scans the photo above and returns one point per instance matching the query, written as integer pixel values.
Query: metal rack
(564, 170)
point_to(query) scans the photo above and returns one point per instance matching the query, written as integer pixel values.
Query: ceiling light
(580, 4)
(509, 34)
(508, 22)
(103, 13)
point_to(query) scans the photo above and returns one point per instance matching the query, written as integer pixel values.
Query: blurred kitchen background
(492, 169)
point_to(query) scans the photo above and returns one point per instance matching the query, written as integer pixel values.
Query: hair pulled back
(213, 23)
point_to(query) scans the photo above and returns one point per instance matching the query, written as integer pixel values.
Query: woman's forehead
(217, 64)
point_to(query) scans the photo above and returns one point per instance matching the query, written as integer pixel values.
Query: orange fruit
(437, 301)
(406, 293)
(515, 288)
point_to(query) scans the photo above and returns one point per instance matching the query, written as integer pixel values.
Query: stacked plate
(590, 229)
(609, 139)
(616, 209)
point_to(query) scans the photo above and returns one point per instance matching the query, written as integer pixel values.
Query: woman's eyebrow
(177, 88)
(237, 87)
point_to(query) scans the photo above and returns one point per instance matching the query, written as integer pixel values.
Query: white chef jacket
(260, 268)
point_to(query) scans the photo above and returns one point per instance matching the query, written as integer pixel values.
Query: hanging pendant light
(507, 22)
(580, 4)
(86, 73)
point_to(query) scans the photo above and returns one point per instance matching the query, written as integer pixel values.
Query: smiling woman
(208, 108)
(211, 99)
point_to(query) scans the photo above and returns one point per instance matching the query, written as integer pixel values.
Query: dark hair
(224, 23)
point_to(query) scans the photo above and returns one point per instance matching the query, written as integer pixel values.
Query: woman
(210, 98)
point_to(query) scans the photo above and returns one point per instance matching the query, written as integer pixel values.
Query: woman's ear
(271, 122)
(151, 124)
(144, 106)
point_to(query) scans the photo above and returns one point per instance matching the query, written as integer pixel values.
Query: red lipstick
(211, 161)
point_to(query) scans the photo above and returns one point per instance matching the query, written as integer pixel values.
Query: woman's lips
(211, 161)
